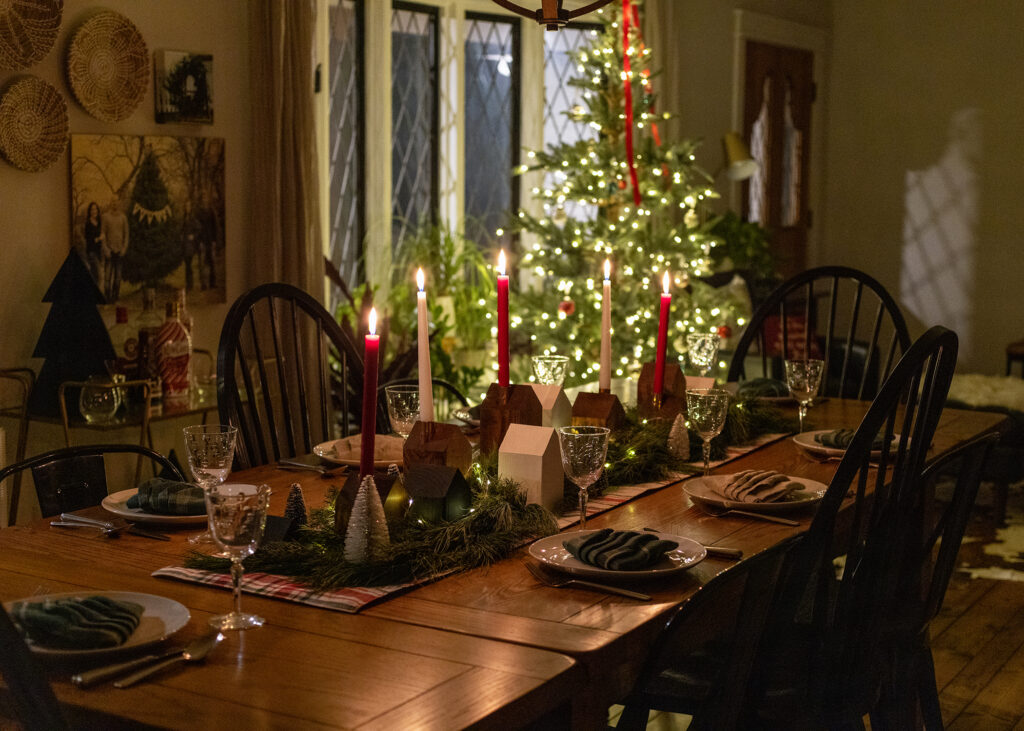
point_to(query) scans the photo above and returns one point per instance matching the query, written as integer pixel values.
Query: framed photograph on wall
(184, 86)
(149, 212)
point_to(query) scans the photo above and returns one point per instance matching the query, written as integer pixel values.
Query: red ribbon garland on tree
(627, 15)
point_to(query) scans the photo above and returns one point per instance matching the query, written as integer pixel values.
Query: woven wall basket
(33, 124)
(28, 29)
(108, 66)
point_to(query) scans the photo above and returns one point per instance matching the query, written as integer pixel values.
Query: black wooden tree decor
(74, 341)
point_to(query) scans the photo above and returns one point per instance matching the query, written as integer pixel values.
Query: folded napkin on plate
(762, 388)
(168, 497)
(619, 550)
(77, 624)
(841, 439)
(758, 486)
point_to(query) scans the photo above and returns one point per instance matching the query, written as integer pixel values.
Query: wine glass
(211, 449)
(706, 409)
(403, 408)
(550, 370)
(803, 378)
(238, 514)
(583, 453)
(703, 351)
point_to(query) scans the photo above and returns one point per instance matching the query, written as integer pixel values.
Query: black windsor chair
(287, 374)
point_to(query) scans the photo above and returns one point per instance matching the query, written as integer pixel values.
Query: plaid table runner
(352, 599)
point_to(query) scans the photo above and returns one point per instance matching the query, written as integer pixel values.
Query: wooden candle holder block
(556, 410)
(673, 398)
(598, 409)
(431, 442)
(437, 492)
(504, 405)
(347, 496)
(531, 456)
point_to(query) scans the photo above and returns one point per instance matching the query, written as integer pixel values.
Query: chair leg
(1001, 494)
(927, 692)
(633, 718)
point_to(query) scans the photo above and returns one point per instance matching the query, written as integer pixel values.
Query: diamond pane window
(414, 117)
(346, 143)
(491, 125)
(562, 101)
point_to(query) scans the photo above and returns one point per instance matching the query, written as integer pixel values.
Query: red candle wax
(502, 321)
(659, 356)
(369, 424)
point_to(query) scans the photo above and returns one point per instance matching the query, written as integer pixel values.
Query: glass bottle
(174, 350)
(147, 324)
(126, 344)
(183, 314)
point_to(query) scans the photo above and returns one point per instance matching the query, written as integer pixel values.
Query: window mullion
(377, 75)
(451, 101)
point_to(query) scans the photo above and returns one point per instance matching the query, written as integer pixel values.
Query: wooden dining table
(491, 646)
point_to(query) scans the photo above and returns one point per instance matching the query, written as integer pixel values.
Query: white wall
(925, 173)
(34, 207)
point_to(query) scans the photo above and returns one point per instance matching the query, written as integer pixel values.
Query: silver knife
(98, 675)
(136, 530)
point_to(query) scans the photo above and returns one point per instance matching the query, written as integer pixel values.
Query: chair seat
(1015, 350)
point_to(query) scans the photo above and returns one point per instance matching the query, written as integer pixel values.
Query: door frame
(749, 26)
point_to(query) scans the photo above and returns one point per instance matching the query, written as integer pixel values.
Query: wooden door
(778, 94)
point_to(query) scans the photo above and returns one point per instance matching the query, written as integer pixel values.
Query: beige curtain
(284, 237)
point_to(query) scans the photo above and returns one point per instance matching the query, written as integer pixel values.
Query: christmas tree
(74, 341)
(646, 218)
(155, 249)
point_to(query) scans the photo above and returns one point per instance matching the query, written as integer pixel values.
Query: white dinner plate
(702, 490)
(117, 503)
(387, 450)
(553, 554)
(807, 441)
(161, 618)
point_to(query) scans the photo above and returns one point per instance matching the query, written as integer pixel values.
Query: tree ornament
(621, 183)
(367, 538)
(679, 438)
(559, 216)
(724, 331)
(567, 307)
(691, 219)
(295, 507)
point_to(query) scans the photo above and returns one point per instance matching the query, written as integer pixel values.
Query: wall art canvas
(149, 212)
(184, 86)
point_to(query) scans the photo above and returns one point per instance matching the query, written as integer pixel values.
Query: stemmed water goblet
(706, 409)
(550, 370)
(211, 449)
(804, 378)
(584, 449)
(703, 351)
(403, 407)
(238, 515)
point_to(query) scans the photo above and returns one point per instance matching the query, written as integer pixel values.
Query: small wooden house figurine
(556, 410)
(433, 442)
(504, 405)
(530, 455)
(437, 492)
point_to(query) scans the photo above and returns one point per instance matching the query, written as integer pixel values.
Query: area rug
(989, 550)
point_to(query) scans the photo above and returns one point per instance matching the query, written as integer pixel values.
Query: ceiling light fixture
(550, 13)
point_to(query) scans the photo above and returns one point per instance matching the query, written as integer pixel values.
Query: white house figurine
(530, 455)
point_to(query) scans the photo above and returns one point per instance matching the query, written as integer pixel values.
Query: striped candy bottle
(174, 349)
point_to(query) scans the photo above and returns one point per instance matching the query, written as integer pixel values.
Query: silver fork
(543, 578)
(723, 512)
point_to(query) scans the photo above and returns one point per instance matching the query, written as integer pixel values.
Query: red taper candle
(369, 426)
(659, 357)
(502, 321)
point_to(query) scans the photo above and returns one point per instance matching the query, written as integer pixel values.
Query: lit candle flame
(607, 269)
(501, 262)
(420, 279)
(664, 282)
(373, 321)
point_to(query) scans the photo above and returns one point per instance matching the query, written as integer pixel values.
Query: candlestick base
(504, 405)
(432, 442)
(670, 402)
(598, 409)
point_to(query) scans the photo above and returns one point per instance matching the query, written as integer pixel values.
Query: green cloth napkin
(168, 497)
(77, 624)
(841, 439)
(619, 550)
(762, 388)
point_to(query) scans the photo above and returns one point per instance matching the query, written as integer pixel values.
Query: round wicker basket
(108, 66)
(33, 124)
(28, 29)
